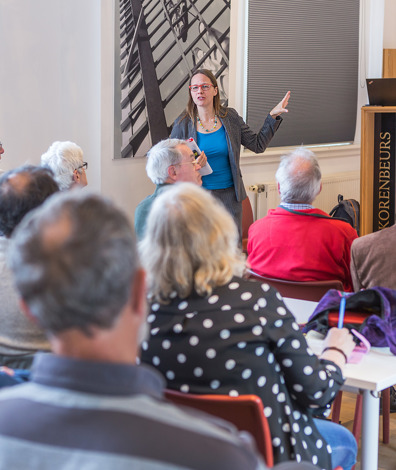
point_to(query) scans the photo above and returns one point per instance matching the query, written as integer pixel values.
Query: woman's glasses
(204, 87)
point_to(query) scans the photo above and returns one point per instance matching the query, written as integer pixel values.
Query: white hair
(63, 158)
(161, 157)
(299, 177)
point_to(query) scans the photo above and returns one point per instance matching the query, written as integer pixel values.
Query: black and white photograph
(161, 43)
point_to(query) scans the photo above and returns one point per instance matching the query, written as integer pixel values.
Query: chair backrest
(246, 412)
(306, 290)
(247, 220)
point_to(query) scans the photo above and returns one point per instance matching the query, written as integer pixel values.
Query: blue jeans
(342, 443)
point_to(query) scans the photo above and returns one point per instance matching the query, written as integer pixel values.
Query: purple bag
(376, 308)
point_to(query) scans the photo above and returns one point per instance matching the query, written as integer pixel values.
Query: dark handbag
(348, 210)
(372, 312)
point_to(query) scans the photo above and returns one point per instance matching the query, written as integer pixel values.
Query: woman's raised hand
(280, 108)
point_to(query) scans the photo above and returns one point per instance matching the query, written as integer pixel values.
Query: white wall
(49, 73)
(389, 25)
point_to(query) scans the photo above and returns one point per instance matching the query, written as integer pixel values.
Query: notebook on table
(381, 91)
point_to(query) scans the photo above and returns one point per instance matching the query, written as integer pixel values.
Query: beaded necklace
(208, 130)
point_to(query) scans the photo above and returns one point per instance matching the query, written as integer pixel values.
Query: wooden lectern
(367, 162)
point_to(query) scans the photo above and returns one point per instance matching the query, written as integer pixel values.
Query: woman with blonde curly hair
(204, 256)
(212, 331)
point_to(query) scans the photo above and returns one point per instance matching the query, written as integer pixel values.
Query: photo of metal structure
(161, 43)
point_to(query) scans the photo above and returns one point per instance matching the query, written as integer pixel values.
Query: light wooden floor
(387, 452)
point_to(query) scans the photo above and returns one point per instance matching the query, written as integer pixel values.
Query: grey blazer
(237, 133)
(373, 260)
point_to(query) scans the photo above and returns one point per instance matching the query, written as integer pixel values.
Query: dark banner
(384, 171)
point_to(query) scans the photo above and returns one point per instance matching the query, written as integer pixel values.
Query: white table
(301, 309)
(375, 372)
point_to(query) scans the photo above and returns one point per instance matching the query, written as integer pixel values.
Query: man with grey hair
(66, 160)
(21, 190)
(89, 405)
(168, 162)
(296, 241)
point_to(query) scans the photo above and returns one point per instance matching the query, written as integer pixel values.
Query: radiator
(264, 196)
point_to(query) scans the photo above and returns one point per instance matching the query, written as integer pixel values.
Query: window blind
(310, 47)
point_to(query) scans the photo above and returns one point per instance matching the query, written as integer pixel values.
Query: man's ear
(278, 189)
(320, 190)
(76, 176)
(172, 173)
(26, 311)
(138, 293)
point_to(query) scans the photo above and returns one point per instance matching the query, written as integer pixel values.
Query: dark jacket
(237, 133)
(143, 208)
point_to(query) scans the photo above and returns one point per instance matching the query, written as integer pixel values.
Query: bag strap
(352, 204)
(320, 216)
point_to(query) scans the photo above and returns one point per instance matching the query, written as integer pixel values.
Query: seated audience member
(168, 162)
(214, 332)
(372, 260)
(88, 405)
(372, 265)
(295, 241)
(66, 160)
(21, 190)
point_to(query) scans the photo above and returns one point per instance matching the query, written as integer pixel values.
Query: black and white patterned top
(243, 340)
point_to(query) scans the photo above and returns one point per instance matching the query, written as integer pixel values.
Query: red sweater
(300, 248)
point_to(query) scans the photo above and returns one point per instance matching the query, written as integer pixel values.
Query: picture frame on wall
(160, 44)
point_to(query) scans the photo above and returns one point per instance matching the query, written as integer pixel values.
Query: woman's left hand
(280, 108)
(201, 159)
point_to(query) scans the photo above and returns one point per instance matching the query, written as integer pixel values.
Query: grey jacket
(18, 335)
(237, 133)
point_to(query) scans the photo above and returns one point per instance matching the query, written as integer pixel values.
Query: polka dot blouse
(243, 340)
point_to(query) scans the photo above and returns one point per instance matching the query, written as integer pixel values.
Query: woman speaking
(219, 133)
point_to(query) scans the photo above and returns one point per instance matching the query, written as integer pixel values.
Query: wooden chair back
(246, 412)
(306, 290)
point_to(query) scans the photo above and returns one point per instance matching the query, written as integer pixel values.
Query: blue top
(216, 149)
